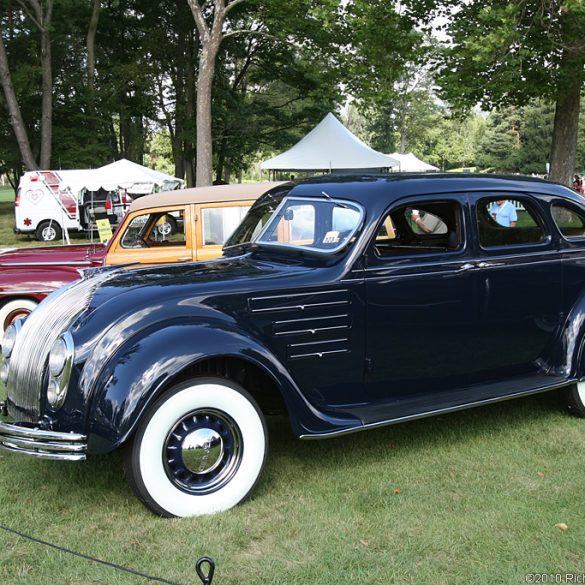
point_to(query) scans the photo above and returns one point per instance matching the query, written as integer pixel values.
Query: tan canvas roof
(213, 194)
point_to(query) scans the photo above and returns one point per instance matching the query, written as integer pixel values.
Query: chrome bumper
(44, 444)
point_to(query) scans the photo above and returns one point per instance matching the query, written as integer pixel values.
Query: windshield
(322, 225)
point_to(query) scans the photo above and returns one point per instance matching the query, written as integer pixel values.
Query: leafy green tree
(508, 53)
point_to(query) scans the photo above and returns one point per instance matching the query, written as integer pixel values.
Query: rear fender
(569, 361)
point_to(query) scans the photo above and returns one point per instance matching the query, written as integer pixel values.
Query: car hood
(83, 255)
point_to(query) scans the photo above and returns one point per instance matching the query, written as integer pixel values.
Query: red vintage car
(175, 226)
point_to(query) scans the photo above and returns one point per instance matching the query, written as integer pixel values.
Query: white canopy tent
(409, 163)
(122, 174)
(330, 146)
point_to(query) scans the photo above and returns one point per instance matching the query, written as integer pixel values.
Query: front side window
(318, 225)
(155, 229)
(504, 221)
(571, 223)
(220, 222)
(420, 227)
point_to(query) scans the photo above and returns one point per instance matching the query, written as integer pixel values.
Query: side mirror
(289, 214)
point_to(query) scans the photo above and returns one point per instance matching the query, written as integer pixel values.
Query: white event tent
(330, 147)
(122, 174)
(409, 163)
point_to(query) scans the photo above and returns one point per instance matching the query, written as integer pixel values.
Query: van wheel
(14, 309)
(48, 231)
(200, 449)
(574, 399)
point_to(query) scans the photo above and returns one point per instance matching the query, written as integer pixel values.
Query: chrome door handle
(185, 259)
(489, 264)
(466, 266)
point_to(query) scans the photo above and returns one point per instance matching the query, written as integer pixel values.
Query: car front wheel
(200, 449)
(14, 309)
(574, 398)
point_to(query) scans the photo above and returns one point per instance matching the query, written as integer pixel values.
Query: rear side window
(220, 222)
(507, 222)
(571, 223)
(419, 228)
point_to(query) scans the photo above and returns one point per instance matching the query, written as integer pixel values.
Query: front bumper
(45, 444)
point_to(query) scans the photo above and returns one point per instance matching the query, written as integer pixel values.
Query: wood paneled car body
(348, 303)
(175, 226)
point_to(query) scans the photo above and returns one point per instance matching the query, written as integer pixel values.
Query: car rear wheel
(14, 309)
(48, 231)
(574, 399)
(200, 449)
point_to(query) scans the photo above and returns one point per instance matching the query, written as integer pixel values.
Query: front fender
(144, 365)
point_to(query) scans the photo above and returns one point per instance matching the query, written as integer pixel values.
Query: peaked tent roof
(329, 146)
(121, 173)
(409, 163)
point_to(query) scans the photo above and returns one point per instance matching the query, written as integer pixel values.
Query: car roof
(199, 195)
(371, 188)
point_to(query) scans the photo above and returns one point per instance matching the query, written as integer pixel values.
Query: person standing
(504, 213)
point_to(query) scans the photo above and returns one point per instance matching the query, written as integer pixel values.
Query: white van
(45, 204)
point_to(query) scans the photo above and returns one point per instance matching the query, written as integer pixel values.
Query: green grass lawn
(466, 498)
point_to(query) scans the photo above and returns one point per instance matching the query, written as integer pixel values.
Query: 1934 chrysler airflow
(347, 303)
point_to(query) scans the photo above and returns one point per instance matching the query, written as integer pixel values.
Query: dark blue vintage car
(347, 303)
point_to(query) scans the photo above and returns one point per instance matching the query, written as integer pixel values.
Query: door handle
(466, 266)
(185, 259)
(489, 264)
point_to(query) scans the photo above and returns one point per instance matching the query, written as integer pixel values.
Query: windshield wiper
(336, 203)
(241, 247)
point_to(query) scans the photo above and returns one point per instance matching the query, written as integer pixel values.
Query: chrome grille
(31, 350)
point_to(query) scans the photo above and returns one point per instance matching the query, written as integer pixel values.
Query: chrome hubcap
(49, 234)
(203, 451)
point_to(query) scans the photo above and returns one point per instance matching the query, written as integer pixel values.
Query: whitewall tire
(574, 398)
(13, 309)
(200, 449)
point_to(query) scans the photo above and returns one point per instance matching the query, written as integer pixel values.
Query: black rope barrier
(199, 565)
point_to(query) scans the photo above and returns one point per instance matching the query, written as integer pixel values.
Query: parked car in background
(49, 202)
(347, 303)
(176, 226)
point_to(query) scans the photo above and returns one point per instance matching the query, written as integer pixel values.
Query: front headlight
(8, 340)
(57, 357)
(60, 364)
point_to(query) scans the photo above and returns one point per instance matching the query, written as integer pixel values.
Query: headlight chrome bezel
(9, 337)
(60, 364)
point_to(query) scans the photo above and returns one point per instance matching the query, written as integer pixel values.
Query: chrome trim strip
(31, 444)
(311, 319)
(319, 342)
(318, 354)
(301, 307)
(303, 294)
(44, 444)
(43, 455)
(430, 413)
(14, 293)
(311, 331)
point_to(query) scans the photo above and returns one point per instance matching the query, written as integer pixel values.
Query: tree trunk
(204, 86)
(90, 43)
(47, 91)
(566, 123)
(16, 120)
